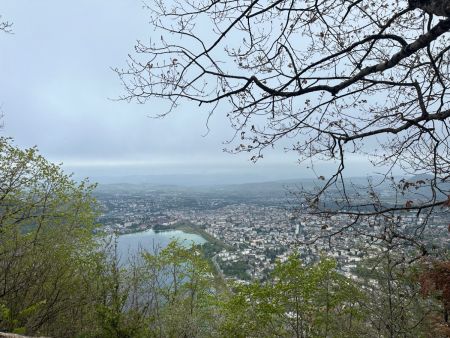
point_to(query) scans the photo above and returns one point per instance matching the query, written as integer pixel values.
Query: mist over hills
(185, 180)
(240, 188)
(212, 187)
(218, 182)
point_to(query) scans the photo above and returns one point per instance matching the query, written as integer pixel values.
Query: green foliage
(394, 302)
(168, 293)
(210, 249)
(184, 286)
(236, 269)
(10, 322)
(296, 301)
(48, 254)
(59, 279)
(114, 313)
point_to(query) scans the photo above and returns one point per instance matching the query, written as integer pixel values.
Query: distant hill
(198, 184)
(187, 180)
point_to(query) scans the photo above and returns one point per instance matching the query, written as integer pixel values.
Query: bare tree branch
(5, 26)
(337, 78)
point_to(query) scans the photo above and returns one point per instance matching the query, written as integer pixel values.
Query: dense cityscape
(249, 231)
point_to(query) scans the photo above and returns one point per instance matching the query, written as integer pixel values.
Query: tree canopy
(49, 257)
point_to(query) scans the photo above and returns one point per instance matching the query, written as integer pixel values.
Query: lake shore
(190, 228)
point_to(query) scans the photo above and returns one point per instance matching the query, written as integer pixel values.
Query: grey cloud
(55, 89)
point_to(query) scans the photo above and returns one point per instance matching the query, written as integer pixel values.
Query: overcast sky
(56, 86)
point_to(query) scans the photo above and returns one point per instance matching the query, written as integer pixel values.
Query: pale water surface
(150, 240)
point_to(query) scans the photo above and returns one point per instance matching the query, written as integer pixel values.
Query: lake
(129, 244)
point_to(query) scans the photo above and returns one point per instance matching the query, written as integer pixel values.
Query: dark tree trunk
(436, 7)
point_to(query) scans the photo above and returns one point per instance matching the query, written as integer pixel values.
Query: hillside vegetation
(59, 277)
